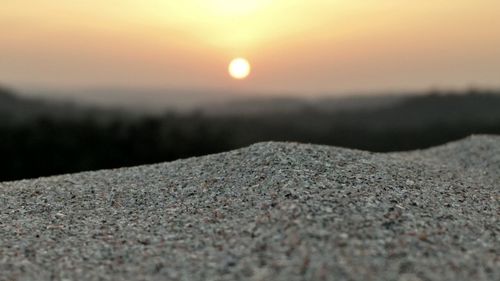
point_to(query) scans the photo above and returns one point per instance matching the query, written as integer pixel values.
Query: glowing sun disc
(239, 68)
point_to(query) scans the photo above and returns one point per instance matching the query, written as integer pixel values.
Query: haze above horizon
(293, 46)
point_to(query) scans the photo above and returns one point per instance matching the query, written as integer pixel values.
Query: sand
(271, 211)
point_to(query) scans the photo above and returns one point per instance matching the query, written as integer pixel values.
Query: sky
(313, 46)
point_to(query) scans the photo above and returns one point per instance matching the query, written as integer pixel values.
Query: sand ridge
(271, 211)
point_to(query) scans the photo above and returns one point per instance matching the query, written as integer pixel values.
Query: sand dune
(272, 211)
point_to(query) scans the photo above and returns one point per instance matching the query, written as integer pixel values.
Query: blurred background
(87, 85)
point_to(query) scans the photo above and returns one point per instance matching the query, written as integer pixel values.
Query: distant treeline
(51, 144)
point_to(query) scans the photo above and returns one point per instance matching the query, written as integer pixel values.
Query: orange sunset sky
(293, 46)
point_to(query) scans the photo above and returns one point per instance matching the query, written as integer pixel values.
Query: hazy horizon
(298, 47)
(158, 100)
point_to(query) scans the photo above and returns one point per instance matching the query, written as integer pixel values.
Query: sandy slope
(272, 211)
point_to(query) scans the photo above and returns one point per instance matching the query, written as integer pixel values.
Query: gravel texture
(271, 211)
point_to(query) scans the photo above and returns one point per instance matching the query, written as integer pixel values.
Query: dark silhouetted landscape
(46, 137)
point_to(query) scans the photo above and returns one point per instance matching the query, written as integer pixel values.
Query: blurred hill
(11, 106)
(40, 137)
(15, 108)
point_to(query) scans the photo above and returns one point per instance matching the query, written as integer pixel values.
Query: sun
(239, 68)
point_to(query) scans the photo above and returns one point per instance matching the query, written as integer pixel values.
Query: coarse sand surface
(271, 211)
